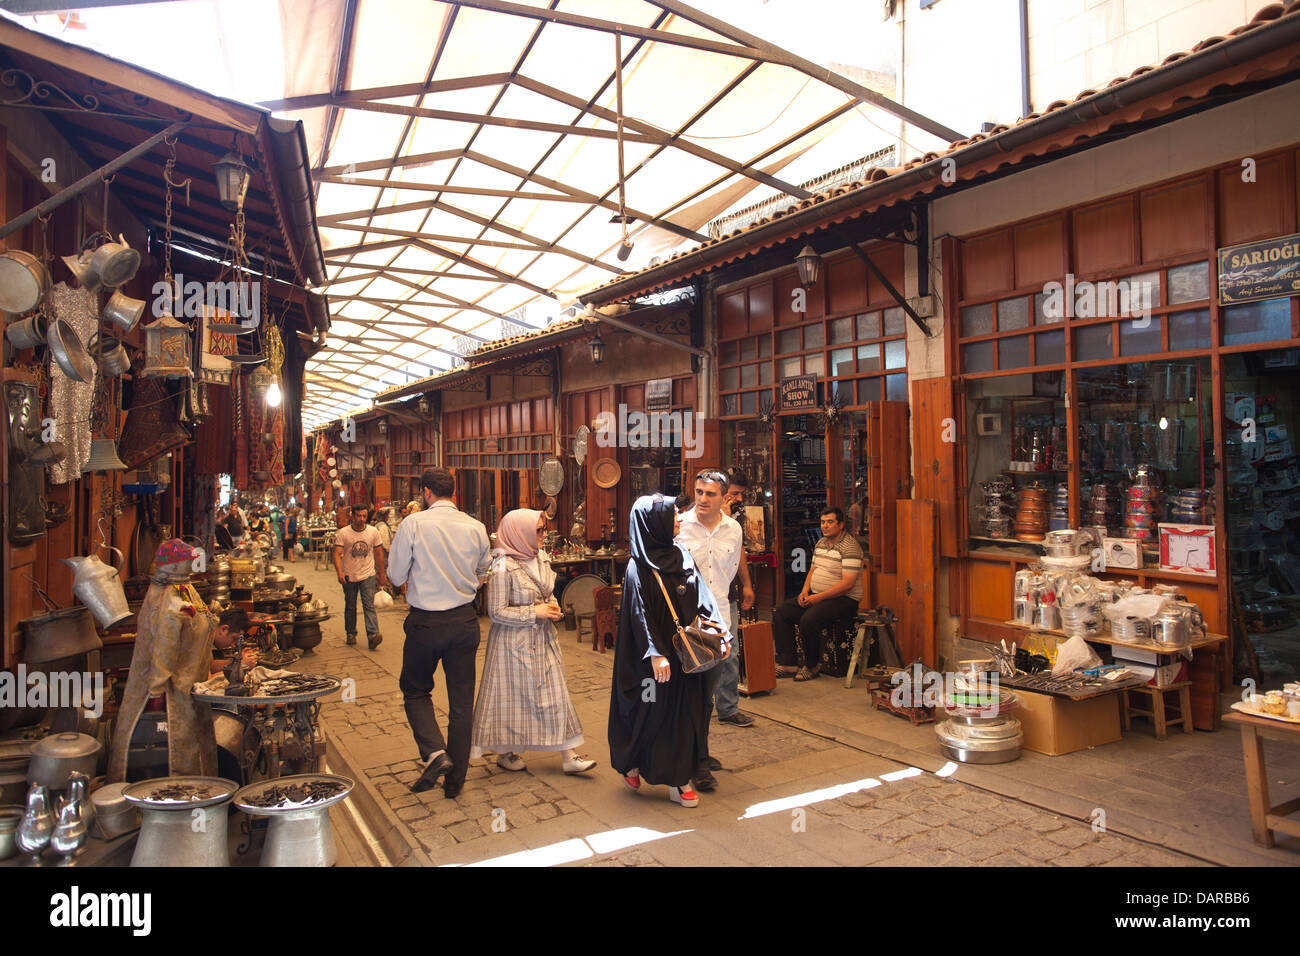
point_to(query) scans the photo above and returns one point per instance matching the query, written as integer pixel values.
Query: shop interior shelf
(1205, 641)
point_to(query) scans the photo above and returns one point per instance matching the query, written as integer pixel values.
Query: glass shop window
(1266, 321)
(1146, 434)
(1017, 457)
(1262, 519)
(747, 448)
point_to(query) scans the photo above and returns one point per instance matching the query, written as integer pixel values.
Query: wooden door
(936, 454)
(918, 580)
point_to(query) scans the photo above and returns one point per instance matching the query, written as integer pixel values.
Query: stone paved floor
(901, 817)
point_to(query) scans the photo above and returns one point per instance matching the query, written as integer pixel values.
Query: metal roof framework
(466, 157)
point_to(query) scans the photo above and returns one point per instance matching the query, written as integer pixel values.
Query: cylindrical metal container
(299, 835)
(182, 832)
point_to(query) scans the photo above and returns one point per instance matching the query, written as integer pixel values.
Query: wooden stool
(588, 618)
(1160, 718)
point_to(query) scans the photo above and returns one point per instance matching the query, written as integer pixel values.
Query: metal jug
(38, 824)
(99, 586)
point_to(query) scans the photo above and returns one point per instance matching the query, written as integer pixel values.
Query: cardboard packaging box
(1055, 725)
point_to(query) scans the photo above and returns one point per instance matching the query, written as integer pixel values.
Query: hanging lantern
(809, 264)
(382, 425)
(232, 180)
(167, 349)
(597, 349)
(259, 382)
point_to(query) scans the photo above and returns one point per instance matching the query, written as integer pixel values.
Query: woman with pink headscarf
(523, 702)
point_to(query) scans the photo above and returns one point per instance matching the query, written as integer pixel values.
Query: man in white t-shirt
(359, 562)
(716, 543)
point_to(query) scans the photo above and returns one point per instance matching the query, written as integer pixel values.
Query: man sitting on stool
(831, 591)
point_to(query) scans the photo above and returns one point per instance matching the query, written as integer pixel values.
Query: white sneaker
(510, 762)
(578, 765)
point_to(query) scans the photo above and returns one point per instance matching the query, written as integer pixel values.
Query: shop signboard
(659, 395)
(1267, 269)
(799, 391)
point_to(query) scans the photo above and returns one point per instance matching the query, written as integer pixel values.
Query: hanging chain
(167, 214)
(103, 222)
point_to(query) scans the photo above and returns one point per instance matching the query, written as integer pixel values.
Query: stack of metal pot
(219, 575)
(980, 728)
(306, 624)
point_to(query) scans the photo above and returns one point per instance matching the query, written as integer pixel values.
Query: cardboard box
(1162, 675)
(1055, 725)
(1121, 553)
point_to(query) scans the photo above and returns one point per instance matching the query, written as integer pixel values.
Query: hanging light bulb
(273, 395)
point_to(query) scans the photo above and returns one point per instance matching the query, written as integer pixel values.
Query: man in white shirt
(359, 563)
(716, 544)
(442, 555)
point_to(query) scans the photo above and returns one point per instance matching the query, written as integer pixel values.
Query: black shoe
(705, 781)
(738, 719)
(434, 769)
(451, 790)
(711, 763)
(374, 640)
(352, 639)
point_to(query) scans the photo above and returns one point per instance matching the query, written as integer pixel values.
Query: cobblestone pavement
(899, 816)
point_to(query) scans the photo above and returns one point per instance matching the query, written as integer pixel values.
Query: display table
(1206, 666)
(1264, 819)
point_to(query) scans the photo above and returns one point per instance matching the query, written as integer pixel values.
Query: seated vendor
(831, 591)
(231, 626)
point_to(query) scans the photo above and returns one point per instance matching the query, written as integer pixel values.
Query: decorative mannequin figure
(173, 652)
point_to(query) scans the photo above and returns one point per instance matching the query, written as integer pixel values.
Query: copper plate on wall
(606, 473)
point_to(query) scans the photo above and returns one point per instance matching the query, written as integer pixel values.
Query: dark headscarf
(650, 529)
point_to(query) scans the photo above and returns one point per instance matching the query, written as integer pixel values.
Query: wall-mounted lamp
(810, 266)
(597, 349)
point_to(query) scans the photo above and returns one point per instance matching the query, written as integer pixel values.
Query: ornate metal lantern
(167, 349)
(232, 180)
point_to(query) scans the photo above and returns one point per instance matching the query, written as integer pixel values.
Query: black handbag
(701, 646)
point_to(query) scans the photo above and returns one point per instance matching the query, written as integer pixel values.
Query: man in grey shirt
(441, 554)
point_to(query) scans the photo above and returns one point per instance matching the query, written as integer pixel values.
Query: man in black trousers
(831, 591)
(441, 554)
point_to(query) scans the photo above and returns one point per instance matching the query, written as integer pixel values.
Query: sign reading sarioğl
(1267, 269)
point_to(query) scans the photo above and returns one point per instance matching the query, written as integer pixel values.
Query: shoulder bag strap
(671, 610)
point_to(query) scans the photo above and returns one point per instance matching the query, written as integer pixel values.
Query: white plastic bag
(299, 549)
(1073, 655)
(383, 600)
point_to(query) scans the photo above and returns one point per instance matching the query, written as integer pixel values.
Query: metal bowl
(71, 356)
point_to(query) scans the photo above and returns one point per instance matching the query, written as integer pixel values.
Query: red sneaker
(632, 780)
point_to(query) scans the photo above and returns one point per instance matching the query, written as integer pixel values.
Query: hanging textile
(70, 401)
(152, 426)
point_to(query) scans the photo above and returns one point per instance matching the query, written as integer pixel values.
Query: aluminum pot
(24, 281)
(28, 333)
(113, 815)
(114, 360)
(115, 263)
(58, 756)
(123, 311)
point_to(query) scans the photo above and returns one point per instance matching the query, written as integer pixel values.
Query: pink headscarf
(517, 534)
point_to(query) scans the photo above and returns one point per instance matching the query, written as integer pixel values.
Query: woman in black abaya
(658, 714)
